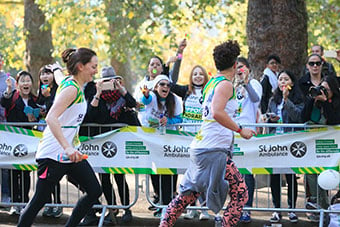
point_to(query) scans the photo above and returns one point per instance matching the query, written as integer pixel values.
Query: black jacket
(266, 94)
(101, 114)
(16, 114)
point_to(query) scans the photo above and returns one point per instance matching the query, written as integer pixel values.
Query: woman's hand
(9, 84)
(99, 88)
(73, 154)
(31, 118)
(171, 59)
(322, 97)
(247, 133)
(145, 90)
(285, 92)
(120, 87)
(182, 46)
(163, 121)
(245, 74)
(46, 91)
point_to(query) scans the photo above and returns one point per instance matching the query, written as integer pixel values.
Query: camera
(316, 91)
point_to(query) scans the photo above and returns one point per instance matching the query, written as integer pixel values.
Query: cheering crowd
(221, 104)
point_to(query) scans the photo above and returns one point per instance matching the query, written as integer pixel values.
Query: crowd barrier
(262, 194)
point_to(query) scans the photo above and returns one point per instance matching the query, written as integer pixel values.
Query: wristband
(239, 129)
(56, 69)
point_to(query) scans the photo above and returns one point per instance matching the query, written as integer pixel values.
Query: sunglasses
(162, 84)
(313, 63)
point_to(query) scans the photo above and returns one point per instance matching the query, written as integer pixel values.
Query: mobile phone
(108, 85)
(329, 53)
(270, 115)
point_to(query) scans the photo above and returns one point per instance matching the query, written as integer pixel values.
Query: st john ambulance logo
(20, 150)
(109, 149)
(298, 149)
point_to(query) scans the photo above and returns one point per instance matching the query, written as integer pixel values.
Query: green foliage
(140, 29)
(11, 37)
(324, 25)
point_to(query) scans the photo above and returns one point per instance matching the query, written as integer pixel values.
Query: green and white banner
(144, 150)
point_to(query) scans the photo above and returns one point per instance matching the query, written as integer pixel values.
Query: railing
(258, 194)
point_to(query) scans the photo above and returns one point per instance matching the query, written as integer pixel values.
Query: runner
(211, 150)
(60, 139)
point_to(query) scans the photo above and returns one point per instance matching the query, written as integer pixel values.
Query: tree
(38, 40)
(277, 26)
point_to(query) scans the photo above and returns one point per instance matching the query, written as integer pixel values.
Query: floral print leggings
(238, 197)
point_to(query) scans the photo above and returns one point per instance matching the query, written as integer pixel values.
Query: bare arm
(223, 92)
(62, 101)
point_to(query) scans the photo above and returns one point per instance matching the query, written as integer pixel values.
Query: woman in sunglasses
(314, 75)
(162, 109)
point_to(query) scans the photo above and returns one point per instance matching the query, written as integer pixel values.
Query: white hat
(159, 78)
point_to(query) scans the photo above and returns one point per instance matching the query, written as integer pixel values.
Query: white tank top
(212, 134)
(70, 121)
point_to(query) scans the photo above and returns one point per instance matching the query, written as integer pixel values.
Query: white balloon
(329, 179)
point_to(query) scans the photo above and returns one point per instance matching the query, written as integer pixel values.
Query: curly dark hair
(225, 54)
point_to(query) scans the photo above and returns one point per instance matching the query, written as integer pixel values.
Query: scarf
(114, 102)
(272, 78)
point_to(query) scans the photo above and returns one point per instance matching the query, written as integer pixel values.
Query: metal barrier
(264, 189)
(261, 191)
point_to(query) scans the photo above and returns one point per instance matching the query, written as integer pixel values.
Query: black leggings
(50, 173)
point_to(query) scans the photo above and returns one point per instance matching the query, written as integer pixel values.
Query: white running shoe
(204, 215)
(191, 214)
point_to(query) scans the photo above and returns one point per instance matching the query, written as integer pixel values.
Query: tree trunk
(277, 27)
(39, 45)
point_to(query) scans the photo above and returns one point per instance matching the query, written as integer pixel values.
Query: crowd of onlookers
(159, 101)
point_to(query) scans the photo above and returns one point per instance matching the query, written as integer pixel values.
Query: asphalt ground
(143, 217)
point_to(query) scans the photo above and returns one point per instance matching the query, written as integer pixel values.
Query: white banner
(144, 150)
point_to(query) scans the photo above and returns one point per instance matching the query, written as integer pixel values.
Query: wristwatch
(239, 128)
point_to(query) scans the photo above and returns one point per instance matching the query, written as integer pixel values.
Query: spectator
(17, 103)
(191, 95)
(155, 68)
(109, 107)
(286, 104)
(314, 74)
(162, 109)
(48, 87)
(327, 67)
(269, 80)
(248, 97)
(5, 190)
(320, 109)
(46, 93)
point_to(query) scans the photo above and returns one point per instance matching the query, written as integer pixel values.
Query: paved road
(146, 219)
(143, 217)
